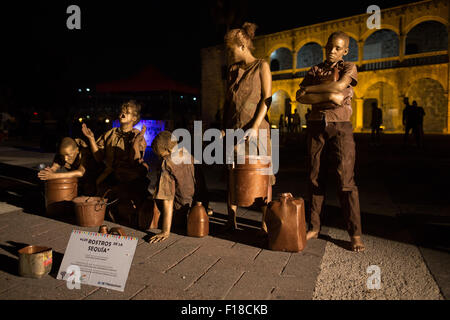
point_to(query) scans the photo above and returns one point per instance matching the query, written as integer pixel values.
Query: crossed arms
(325, 92)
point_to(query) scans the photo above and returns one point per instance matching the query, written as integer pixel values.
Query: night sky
(118, 38)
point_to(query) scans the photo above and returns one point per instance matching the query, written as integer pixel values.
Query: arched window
(352, 54)
(381, 44)
(309, 55)
(281, 59)
(426, 37)
(274, 65)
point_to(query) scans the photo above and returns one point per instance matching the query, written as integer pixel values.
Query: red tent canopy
(149, 79)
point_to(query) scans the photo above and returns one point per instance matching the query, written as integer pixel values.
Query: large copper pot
(59, 194)
(249, 181)
(286, 226)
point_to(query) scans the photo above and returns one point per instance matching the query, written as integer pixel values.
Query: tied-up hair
(241, 36)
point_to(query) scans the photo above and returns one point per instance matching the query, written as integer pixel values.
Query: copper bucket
(90, 211)
(59, 194)
(249, 181)
(35, 261)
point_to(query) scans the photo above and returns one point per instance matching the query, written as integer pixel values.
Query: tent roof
(149, 79)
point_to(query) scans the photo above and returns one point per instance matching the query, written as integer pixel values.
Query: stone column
(360, 52)
(401, 48)
(359, 113)
(294, 61)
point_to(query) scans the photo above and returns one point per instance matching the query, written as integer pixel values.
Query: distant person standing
(308, 112)
(417, 123)
(5, 120)
(281, 123)
(296, 122)
(407, 117)
(377, 120)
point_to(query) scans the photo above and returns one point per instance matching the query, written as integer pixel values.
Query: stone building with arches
(406, 57)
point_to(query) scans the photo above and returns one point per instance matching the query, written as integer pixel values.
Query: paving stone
(281, 294)
(131, 289)
(299, 265)
(271, 262)
(33, 292)
(7, 283)
(163, 286)
(252, 286)
(170, 256)
(216, 283)
(195, 265)
(146, 250)
(84, 290)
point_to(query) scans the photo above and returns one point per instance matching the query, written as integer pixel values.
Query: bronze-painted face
(69, 154)
(336, 49)
(235, 53)
(127, 116)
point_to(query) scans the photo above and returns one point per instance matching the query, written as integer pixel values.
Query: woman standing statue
(248, 98)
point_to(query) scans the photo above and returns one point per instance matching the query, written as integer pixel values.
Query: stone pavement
(397, 230)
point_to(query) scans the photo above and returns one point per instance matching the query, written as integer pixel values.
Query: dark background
(42, 57)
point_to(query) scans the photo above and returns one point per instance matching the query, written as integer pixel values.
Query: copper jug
(197, 221)
(285, 219)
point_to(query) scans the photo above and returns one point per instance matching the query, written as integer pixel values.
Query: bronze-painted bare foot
(357, 244)
(312, 235)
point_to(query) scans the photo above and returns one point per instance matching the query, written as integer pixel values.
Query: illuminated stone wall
(386, 73)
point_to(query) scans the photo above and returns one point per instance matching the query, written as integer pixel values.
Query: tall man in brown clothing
(328, 88)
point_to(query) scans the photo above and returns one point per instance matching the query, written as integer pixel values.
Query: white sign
(103, 259)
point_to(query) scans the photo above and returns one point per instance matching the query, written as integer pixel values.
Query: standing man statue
(328, 88)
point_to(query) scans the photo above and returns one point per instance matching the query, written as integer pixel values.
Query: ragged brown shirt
(244, 93)
(119, 154)
(329, 111)
(176, 182)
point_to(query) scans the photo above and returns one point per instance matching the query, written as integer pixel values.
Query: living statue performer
(248, 98)
(74, 160)
(179, 184)
(122, 150)
(328, 88)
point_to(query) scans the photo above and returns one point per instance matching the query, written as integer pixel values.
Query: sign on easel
(98, 259)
